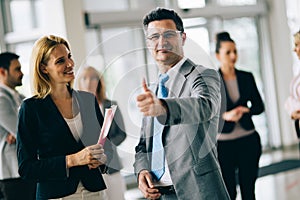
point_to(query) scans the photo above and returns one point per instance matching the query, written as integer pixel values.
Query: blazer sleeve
(30, 165)
(141, 156)
(257, 105)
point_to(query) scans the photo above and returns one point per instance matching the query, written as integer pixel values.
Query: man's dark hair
(6, 58)
(161, 14)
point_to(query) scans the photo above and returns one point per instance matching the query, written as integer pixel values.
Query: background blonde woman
(91, 81)
(58, 128)
(292, 104)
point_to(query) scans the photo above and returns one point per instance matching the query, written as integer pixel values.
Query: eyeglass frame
(150, 38)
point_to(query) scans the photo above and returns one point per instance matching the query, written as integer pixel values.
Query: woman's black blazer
(44, 139)
(249, 97)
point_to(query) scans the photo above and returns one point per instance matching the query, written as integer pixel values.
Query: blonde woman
(58, 129)
(91, 81)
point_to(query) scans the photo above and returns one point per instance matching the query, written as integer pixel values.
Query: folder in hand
(108, 118)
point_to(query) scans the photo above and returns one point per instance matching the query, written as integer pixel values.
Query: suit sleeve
(30, 165)
(203, 103)
(8, 115)
(141, 156)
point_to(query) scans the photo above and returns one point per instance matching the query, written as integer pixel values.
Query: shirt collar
(177, 66)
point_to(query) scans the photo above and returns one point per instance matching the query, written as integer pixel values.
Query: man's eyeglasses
(166, 35)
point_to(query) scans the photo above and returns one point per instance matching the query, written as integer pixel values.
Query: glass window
(21, 20)
(196, 31)
(24, 14)
(24, 51)
(183, 4)
(236, 2)
(197, 46)
(243, 30)
(121, 5)
(104, 5)
(120, 57)
(39, 14)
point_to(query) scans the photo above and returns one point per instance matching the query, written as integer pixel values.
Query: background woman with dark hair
(239, 146)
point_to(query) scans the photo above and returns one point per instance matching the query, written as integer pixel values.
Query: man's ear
(183, 36)
(43, 69)
(218, 56)
(2, 71)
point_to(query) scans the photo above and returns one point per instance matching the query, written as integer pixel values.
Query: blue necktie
(158, 157)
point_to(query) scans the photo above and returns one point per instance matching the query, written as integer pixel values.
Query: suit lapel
(175, 85)
(53, 110)
(228, 99)
(178, 78)
(58, 119)
(91, 125)
(240, 82)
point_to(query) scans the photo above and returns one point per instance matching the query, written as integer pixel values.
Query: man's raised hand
(149, 104)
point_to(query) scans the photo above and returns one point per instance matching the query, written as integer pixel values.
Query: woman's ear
(43, 69)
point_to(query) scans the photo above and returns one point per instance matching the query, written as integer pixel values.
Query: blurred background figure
(12, 186)
(292, 104)
(91, 81)
(239, 146)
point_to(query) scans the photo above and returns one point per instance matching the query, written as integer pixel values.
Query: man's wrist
(141, 172)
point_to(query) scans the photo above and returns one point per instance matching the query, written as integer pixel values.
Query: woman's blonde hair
(41, 52)
(100, 91)
(297, 37)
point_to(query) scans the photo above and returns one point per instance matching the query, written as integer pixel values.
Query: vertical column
(282, 65)
(75, 29)
(68, 22)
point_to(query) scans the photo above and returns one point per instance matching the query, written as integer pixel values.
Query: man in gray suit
(12, 186)
(188, 116)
